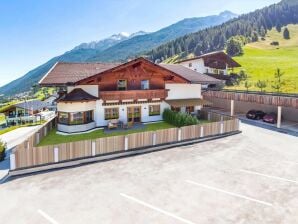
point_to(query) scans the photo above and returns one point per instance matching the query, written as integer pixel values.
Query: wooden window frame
(108, 116)
(154, 113)
(148, 84)
(125, 84)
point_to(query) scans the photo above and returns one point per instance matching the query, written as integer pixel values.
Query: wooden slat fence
(166, 135)
(109, 145)
(139, 140)
(28, 155)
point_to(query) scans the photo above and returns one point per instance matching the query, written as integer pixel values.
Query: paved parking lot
(247, 178)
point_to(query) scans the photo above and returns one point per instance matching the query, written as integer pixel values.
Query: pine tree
(286, 34)
(234, 47)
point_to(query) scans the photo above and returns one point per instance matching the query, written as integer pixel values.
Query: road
(248, 178)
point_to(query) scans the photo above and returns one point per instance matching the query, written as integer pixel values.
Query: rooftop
(217, 59)
(70, 73)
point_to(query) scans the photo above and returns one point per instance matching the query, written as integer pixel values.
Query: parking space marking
(229, 193)
(47, 217)
(156, 209)
(269, 176)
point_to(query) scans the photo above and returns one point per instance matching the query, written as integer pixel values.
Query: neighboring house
(136, 91)
(215, 64)
(25, 108)
(51, 103)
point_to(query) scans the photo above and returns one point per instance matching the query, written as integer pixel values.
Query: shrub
(179, 119)
(2, 150)
(274, 43)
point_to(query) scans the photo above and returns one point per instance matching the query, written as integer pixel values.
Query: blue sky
(33, 31)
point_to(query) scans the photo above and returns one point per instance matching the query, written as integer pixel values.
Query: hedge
(179, 119)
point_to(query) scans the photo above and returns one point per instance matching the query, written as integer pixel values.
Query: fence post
(12, 158)
(221, 127)
(154, 138)
(202, 132)
(37, 138)
(93, 150)
(179, 134)
(125, 143)
(56, 154)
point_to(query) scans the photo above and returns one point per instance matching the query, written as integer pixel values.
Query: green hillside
(260, 60)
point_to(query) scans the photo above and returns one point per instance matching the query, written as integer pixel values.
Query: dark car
(270, 118)
(255, 114)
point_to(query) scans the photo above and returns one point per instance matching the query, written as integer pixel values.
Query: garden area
(171, 120)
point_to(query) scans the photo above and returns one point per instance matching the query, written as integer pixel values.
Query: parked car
(270, 118)
(255, 114)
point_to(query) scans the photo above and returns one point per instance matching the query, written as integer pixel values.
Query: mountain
(80, 53)
(252, 26)
(116, 48)
(104, 44)
(139, 44)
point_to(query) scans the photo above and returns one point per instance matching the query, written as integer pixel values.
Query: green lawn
(53, 138)
(2, 118)
(260, 60)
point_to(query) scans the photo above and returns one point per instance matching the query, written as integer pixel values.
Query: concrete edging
(102, 158)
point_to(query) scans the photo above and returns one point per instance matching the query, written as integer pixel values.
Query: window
(154, 110)
(221, 72)
(89, 116)
(63, 118)
(190, 109)
(190, 65)
(145, 84)
(207, 70)
(216, 71)
(111, 113)
(77, 118)
(122, 84)
(176, 109)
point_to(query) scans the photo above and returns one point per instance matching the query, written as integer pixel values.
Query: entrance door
(134, 114)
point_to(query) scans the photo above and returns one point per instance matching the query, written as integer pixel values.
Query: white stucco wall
(76, 107)
(199, 66)
(100, 120)
(183, 91)
(91, 89)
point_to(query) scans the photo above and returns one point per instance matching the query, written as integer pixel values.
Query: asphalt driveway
(247, 178)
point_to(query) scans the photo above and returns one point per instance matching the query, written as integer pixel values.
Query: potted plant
(2, 150)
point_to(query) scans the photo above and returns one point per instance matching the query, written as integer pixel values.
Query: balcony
(133, 94)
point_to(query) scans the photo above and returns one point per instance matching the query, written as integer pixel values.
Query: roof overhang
(188, 102)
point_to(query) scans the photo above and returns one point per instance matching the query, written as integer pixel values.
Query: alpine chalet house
(98, 94)
(215, 64)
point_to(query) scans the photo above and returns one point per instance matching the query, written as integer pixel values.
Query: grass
(2, 118)
(53, 138)
(11, 128)
(260, 61)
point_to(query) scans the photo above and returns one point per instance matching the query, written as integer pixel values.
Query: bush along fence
(27, 155)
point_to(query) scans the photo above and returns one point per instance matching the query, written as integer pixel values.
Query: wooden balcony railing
(133, 94)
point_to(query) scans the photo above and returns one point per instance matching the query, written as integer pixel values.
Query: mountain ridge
(124, 47)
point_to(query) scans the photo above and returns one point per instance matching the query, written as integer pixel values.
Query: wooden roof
(191, 75)
(218, 59)
(188, 102)
(64, 73)
(79, 95)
